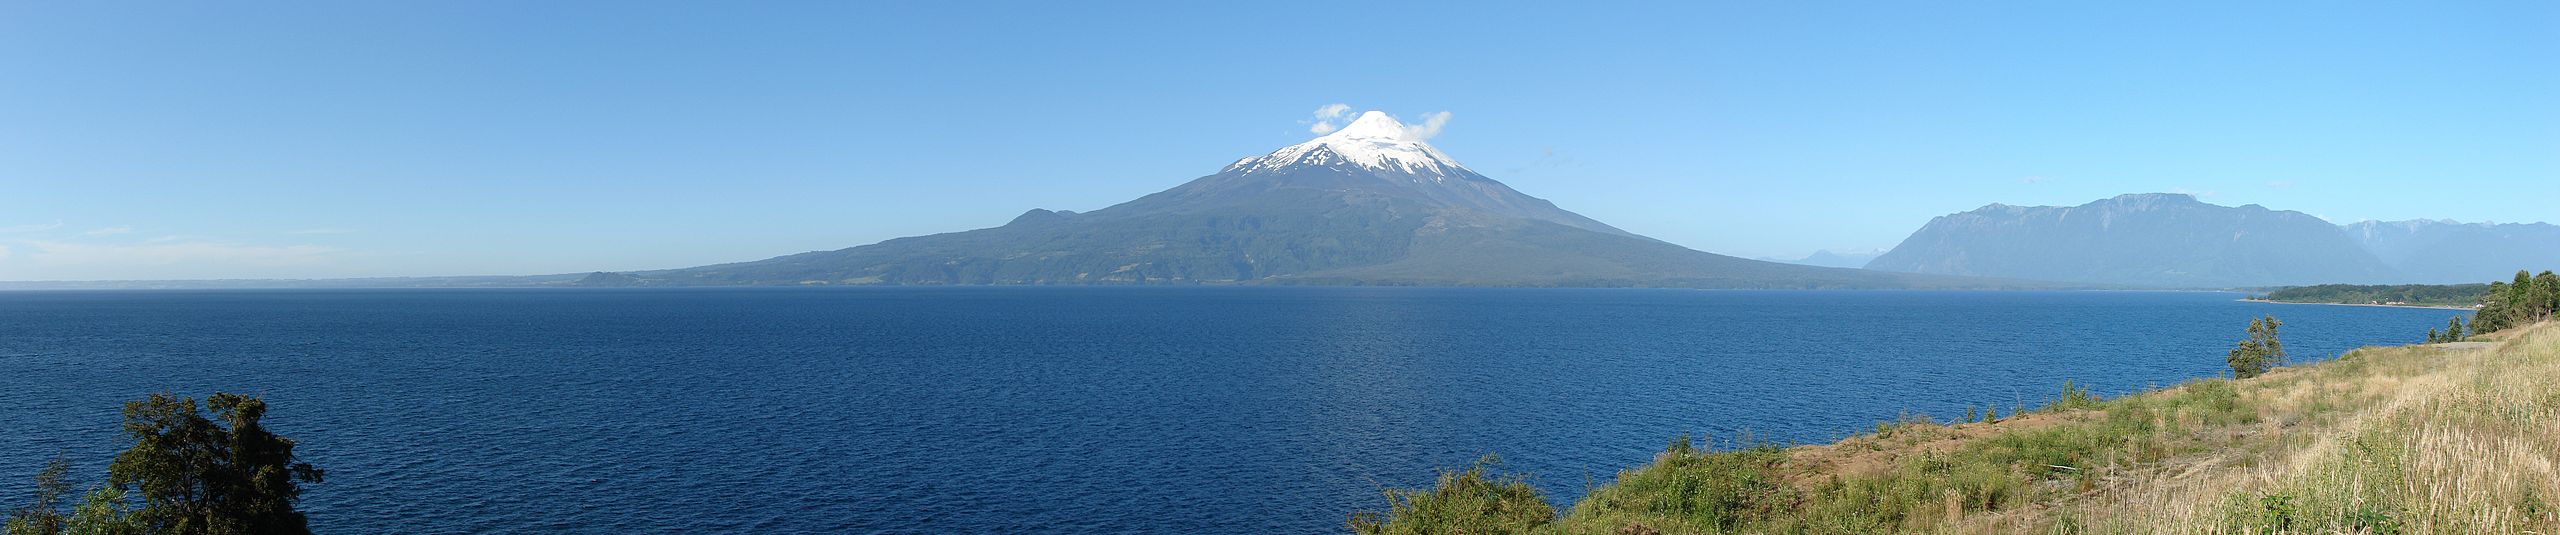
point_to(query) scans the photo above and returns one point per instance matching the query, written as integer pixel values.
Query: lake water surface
(1015, 410)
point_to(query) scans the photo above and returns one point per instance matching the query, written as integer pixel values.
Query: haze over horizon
(318, 141)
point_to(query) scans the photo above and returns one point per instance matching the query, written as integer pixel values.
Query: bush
(1700, 488)
(1467, 501)
(2260, 352)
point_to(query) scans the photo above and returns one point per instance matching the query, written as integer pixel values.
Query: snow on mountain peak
(1370, 125)
(1374, 141)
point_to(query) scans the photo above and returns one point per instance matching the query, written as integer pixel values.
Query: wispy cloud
(1547, 158)
(1326, 115)
(2206, 194)
(1335, 110)
(39, 252)
(36, 227)
(1430, 127)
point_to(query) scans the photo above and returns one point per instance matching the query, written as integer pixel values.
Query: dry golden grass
(2421, 439)
(2449, 438)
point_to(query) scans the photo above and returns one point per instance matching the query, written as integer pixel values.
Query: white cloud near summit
(1331, 117)
(1430, 127)
(1326, 115)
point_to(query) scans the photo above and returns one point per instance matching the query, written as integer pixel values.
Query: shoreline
(2208, 455)
(2436, 307)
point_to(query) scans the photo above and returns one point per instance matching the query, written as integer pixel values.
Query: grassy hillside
(2448, 438)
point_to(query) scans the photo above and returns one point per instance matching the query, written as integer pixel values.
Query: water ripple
(1054, 410)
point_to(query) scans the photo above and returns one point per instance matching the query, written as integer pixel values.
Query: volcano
(1370, 204)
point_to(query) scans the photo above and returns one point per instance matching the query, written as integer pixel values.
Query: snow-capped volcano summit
(1375, 141)
(1374, 156)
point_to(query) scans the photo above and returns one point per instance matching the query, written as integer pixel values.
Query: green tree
(2260, 352)
(199, 476)
(44, 517)
(103, 512)
(2546, 289)
(2524, 299)
(2492, 312)
(2453, 329)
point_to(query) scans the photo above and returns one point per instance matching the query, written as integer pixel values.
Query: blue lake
(1012, 410)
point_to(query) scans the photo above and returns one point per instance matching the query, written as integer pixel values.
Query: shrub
(2260, 352)
(1469, 501)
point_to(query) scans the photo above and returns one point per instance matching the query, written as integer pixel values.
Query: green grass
(1468, 501)
(1692, 490)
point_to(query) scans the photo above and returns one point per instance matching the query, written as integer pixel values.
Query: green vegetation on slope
(2418, 439)
(2443, 295)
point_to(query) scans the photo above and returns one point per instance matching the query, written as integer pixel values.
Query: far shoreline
(2436, 307)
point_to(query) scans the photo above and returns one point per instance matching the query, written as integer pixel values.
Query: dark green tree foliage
(2524, 299)
(103, 512)
(194, 476)
(199, 476)
(2260, 352)
(2527, 299)
(2353, 294)
(2452, 332)
(44, 517)
(2546, 295)
(2492, 312)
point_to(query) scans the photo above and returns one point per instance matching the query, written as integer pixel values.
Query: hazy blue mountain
(2156, 239)
(1826, 258)
(603, 279)
(2448, 252)
(1368, 204)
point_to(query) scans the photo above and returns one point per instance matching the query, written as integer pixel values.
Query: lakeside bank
(2447, 438)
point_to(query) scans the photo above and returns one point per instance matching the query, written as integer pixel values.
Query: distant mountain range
(2174, 240)
(2441, 252)
(1367, 204)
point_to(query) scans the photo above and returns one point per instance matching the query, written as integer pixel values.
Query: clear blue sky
(440, 138)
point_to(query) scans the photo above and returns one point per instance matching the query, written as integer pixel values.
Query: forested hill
(2460, 295)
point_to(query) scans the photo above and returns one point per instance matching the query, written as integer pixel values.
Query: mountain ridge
(2177, 241)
